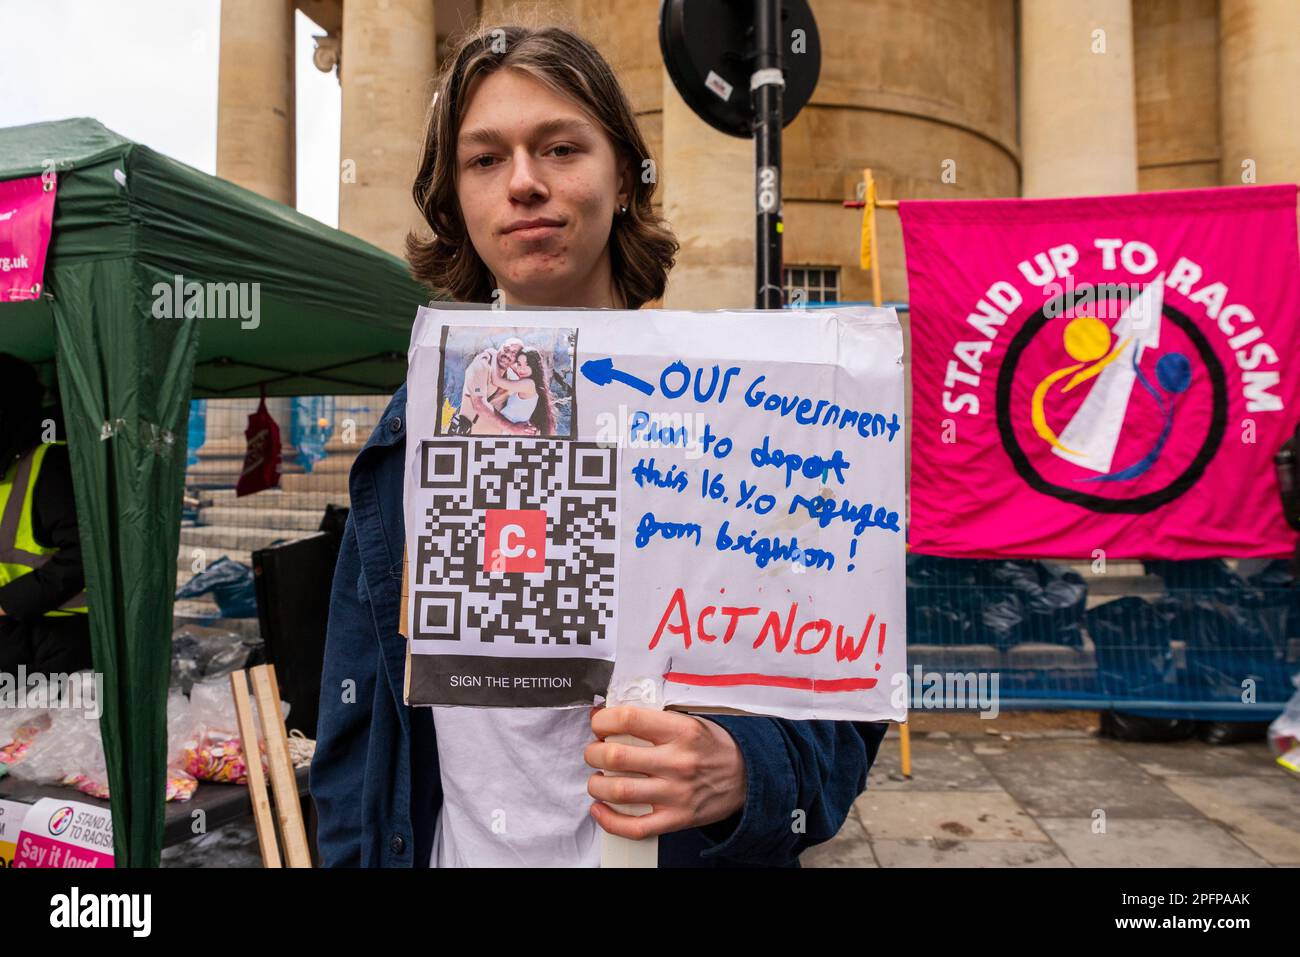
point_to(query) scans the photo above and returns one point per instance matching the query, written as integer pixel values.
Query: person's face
(522, 368)
(538, 183)
(507, 356)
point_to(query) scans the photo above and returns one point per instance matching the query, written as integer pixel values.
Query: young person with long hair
(530, 182)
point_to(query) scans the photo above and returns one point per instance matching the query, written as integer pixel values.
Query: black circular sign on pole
(704, 41)
(747, 67)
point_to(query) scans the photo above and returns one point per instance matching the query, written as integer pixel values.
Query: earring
(622, 210)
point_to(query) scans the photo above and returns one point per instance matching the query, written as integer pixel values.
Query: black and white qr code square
(519, 542)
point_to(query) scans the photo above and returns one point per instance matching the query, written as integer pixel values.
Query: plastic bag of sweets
(18, 728)
(213, 750)
(179, 786)
(70, 752)
(50, 755)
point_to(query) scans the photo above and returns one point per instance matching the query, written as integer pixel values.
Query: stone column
(1078, 127)
(255, 97)
(1176, 65)
(387, 72)
(707, 184)
(1259, 76)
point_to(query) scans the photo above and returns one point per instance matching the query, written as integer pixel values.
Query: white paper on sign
(715, 499)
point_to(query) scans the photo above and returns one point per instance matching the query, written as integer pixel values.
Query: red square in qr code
(515, 540)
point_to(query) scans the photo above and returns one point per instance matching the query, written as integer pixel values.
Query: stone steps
(332, 464)
(335, 477)
(206, 613)
(272, 499)
(335, 482)
(336, 445)
(185, 558)
(262, 518)
(221, 538)
(1123, 568)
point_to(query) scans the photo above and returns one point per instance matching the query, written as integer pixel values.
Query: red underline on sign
(772, 681)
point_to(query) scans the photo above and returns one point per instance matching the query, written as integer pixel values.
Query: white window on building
(818, 284)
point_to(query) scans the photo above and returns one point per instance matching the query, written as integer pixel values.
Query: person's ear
(624, 197)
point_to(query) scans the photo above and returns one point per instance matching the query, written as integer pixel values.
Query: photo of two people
(507, 381)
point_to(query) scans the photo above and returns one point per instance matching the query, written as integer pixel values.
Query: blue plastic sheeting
(231, 584)
(310, 427)
(1213, 645)
(198, 431)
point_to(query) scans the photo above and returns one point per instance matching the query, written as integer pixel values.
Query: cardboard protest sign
(1104, 374)
(708, 503)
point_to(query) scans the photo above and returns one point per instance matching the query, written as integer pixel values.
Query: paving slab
(849, 848)
(1149, 842)
(955, 815)
(949, 852)
(1024, 796)
(1168, 759)
(261, 517)
(936, 765)
(1073, 777)
(1261, 812)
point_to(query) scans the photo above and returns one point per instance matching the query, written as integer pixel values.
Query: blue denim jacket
(375, 776)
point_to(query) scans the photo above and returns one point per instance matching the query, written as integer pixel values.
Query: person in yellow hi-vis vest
(43, 608)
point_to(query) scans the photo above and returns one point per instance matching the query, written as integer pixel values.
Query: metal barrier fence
(1216, 640)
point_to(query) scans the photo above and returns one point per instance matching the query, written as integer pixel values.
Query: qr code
(519, 542)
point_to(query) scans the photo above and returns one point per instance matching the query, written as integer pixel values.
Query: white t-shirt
(514, 788)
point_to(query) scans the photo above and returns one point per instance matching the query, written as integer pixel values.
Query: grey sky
(147, 69)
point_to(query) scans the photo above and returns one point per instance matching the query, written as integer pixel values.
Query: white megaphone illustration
(1094, 431)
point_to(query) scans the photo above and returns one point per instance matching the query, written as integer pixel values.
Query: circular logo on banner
(1115, 414)
(60, 820)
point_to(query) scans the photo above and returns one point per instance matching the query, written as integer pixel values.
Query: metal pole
(766, 86)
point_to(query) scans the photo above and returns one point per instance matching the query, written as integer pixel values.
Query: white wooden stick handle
(616, 851)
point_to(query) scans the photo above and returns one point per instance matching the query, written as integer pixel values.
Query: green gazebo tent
(334, 318)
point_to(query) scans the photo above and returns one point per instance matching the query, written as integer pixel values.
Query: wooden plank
(256, 781)
(283, 783)
(873, 203)
(905, 748)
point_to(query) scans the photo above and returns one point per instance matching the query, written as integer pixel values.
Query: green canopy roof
(130, 224)
(335, 311)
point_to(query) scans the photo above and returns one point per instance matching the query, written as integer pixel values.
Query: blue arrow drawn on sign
(602, 372)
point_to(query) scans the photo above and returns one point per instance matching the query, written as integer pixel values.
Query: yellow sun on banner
(1086, 339)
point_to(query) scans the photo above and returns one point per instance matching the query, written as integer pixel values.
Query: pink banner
(1107, 373)
(26, 214)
